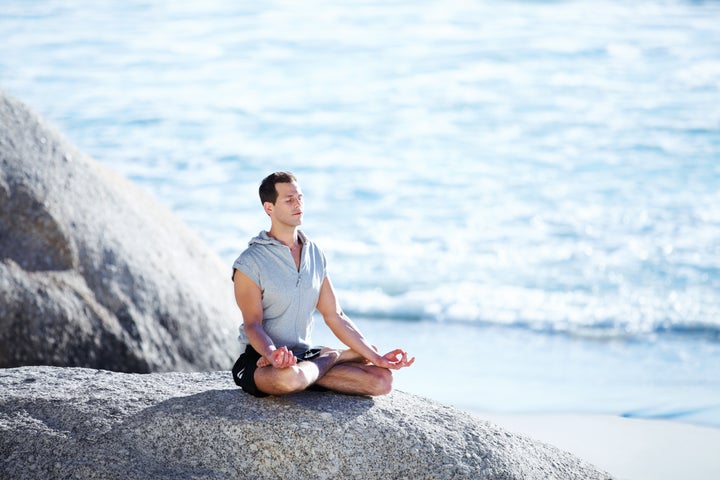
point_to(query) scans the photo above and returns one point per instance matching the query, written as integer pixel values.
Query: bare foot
(330, 352)
(350, 355)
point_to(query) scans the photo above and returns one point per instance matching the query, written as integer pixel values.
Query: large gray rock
(93, 271)
(87, 424)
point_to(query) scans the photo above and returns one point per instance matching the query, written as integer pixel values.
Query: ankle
(350, 355)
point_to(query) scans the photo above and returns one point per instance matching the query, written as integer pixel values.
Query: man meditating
(280, 279)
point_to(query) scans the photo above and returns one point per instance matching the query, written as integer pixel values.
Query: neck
(287, 236)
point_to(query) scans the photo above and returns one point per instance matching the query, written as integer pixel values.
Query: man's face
(288, 208)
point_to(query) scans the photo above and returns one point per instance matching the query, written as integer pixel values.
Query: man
(280, 279)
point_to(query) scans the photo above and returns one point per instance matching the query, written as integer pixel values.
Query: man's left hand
(395, 360)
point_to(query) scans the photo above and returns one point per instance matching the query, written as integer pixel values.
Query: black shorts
(243, 371)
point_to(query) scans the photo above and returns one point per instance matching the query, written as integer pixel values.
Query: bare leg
(281, 381)
(341, 371)
(355, 378)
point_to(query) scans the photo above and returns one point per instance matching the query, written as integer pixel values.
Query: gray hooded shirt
(289, 295)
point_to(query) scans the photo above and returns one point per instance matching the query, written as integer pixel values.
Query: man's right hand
(279, 358)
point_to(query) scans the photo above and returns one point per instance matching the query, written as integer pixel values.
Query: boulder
(91, 424)
(94, 272)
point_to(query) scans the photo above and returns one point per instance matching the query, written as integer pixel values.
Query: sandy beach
(629, 449)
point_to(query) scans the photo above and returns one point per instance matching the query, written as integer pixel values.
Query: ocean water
(524, 194)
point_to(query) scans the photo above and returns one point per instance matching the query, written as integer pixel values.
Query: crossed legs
(340, 371)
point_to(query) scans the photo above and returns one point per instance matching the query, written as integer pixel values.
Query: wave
(708, 415)
(579, 314)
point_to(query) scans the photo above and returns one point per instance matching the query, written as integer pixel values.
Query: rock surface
(94, 424)
(93, 271)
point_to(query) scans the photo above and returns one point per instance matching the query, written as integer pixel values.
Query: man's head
(268, 191)
(282, 199)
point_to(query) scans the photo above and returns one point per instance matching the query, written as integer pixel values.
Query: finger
(285, 360)
(279, 357)
(392, 364)
(290, 359)
(392, 355)
(400, 354)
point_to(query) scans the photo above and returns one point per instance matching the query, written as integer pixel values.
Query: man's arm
(348, 333)
(249, 298)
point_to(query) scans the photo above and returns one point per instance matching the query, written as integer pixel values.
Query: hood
(264, 239)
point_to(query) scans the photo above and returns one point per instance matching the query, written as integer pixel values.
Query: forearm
(260, 341)
(349, 334)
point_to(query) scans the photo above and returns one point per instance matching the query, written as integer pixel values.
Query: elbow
(330, 319)
(333, 317)
(251, 328)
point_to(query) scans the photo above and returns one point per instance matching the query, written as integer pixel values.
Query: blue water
(524, 194)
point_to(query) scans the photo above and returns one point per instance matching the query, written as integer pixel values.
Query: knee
(383, 382)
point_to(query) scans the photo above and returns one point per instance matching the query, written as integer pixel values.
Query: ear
(268, 208)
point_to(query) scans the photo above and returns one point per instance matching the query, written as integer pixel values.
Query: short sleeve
(324, 264)
(245, 265)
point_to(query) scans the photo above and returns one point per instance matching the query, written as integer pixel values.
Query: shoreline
(627, 448)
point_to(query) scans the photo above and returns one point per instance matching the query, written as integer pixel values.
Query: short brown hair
(268, 192)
